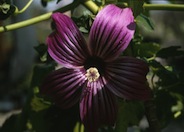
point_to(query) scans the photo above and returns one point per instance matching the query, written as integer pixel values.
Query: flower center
(92, 74)
(95, 62)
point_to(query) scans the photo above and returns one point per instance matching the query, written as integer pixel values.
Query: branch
(89, 4)
(26, 22)
(38, 18)
(168, 7)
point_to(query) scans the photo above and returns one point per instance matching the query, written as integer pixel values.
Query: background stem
(25, 7)
(89, 4)
(151, 115)
(169, 7)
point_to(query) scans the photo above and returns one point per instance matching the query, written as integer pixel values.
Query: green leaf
(177, 107)
(84, 22)
(166, 77)
(39, 104)
(79, 127)
(146, 49)
(137, 6)
(144, 22)
(129, 113)
(37, 122)
(164, 102)
(6, 10)
(83, 30)
(39, 72)
(42, 51)
(171, 51)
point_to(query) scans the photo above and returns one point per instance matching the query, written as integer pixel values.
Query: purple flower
(95, 74)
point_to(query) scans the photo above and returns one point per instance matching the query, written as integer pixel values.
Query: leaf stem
(25, 7)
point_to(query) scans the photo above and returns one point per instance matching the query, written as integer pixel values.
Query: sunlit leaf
(39, 104)
(177, 114)
(177, 107)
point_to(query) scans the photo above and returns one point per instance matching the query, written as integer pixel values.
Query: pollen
(92, 74)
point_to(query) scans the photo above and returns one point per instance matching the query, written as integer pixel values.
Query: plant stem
(37, 19)
(90, 5)
(150, 110)
(169, 7)
(26, 22)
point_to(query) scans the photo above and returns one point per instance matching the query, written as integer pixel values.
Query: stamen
(92, 74)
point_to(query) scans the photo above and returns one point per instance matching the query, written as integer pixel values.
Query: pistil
(92, 74)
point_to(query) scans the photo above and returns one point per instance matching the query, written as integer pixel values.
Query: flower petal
(66, 45)
(111, 32)
(127, 78)
(97, 106)
(64, 86)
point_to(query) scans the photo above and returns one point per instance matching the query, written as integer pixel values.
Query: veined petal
(111, 32)
(66, 44)
(127, 78)
(64, 86)
(97, 106)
